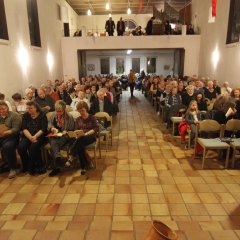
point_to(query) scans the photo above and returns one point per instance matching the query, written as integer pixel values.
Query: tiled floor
(144, 176)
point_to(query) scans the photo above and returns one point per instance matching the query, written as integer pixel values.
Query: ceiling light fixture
(129, 51)
(129, 11)
(89, 13)
(109, 15)
(107, 6)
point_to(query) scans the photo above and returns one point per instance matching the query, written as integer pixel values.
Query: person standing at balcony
(149, 26)
(110, 26)
(120, 27)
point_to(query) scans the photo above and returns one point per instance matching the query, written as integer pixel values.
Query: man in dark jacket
(149, 26)
(110, 26)
(101, 104)
(120, 27)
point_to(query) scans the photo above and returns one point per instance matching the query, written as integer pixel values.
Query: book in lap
(3, 128)
(75, 134)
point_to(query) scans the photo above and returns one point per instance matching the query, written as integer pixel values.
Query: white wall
(12, 77)
(97, 22)
(161, 60)
(191, 44)
(213, 36)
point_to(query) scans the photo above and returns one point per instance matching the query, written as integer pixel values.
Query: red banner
(140, 6)
(214, 8)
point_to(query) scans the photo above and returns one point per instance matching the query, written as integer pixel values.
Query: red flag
(140, 6)
(214, 7)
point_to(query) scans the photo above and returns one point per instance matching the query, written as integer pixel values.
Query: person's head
(235, 93)
(210, 84)
(110, 18)
(80, 95)
(193, 106)
(49, 83)
(226, 84)
(57, 82)
(180, 86)
(93, 88)
(60, 107)
(2, 97)
(72, 92)
(152, 18)
(33, 108)
(168, 88)
(29, 93)
(60, 88)
(174, 91)
(215, 82)
(87, 90)
(120, 18)
(3, 109)
(101, 94)
(82, 108)
(190, 90)
(199, 97)
(41, 93)
(48, 91)
(17, 97)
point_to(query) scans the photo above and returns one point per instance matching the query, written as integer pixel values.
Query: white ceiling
(120, 6)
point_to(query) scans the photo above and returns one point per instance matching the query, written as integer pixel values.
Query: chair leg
(227, 158)
(233, 157)
(203, 159)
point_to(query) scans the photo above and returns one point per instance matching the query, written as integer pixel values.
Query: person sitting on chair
(88, 124)
(60, 122)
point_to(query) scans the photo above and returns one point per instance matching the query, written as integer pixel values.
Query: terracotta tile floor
(144, 176)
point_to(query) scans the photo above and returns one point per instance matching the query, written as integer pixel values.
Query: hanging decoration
(214, 8)
(140, 6)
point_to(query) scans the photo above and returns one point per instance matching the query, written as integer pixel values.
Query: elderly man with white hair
(225, 89)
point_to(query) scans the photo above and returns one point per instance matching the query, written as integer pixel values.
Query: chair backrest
(209, 125)
(233, 125)
(104, 115)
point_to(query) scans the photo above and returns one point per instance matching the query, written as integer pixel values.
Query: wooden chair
(233, 125)
(210, 126)
(106, 133)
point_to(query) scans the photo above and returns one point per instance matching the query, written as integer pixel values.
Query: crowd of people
(149, 29)
(194, 99)
(46, 115)
(164, 28)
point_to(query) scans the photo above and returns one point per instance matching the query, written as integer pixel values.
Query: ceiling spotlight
(89, 13)
(107, 6)
(129, 10)
(129, 51)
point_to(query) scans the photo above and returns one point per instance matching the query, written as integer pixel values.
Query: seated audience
(60, 122)
(71, 95)
(10, 127)
(2, 98)
(19, 103)
(188, 96)
(216, 87)
(235, 95)
(34, 130)
(202, 105)
(62, 93)
(88, 124)
(80, 98)
(29, 95)
(101, 103)
(45, 102)
(226, 89)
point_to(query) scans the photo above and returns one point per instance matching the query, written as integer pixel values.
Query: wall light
(23, 58)
(107, 6)
(215, 57)
(129, 51)
(129, 10)
(89, 13)
(109, 15)
(50, 61)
